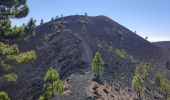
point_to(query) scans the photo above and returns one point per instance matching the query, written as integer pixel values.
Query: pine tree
(60, 26)
(147, 70)
(52, 19)
(61, 15)
(85, 18)
(85, 14)
(5, 28)
(41, 22)
(158, 78)
(56, 17)
(30, 28)
(4, 96)
(97, 66)
(57, 27)
(164, 86)
(62, 18)
(144, 70)
(12, 9)
(138, 85)
(45, 39)
(138, 80)
(83, 30)
(23, 31)
(53, 85)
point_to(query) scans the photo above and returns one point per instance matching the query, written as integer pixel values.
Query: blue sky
(148, 17)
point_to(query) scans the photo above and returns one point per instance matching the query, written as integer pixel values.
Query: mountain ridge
(71, 52)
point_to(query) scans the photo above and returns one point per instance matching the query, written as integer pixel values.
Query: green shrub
(121, 53)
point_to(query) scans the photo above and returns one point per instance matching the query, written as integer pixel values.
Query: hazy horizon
(147, 18)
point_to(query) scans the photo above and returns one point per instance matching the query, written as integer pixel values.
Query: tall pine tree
(97, 66)
(138, 85)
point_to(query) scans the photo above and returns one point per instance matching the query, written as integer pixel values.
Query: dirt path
(80, 82)
(79, 85)
(87, 55)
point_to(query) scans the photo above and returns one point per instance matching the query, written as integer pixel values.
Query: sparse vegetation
(72, 53)
(123, 54)
(45, 39)
(148, 69)
(144, 70)
(97, 66)
(107, 30)
(57, 27)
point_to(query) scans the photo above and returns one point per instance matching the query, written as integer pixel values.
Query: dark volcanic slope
(71, 52)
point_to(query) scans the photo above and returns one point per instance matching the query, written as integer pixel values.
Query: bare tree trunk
(139, 96)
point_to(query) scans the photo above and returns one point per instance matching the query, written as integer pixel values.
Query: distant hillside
(164, 44)
(71, 52)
